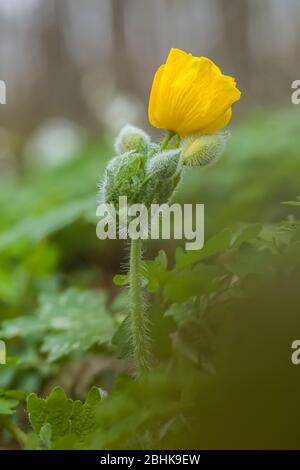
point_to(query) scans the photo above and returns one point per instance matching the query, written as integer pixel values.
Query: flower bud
(163, 175)
(203, 149)
(153, 149)
(131, 138)
(164, 164)
(123, 177)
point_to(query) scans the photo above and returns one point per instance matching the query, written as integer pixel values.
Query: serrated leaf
(73, 321)
(83, 420)
(59, 417)
(56, 410)
(9, 400)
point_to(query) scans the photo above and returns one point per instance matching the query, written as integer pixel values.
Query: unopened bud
(153, 149)
(163, 175)
(203, 149)
(131, 138)
(164, 164)
(122, 177)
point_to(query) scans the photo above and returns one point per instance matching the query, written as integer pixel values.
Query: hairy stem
(139, 321)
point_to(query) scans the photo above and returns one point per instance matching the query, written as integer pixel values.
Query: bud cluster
(141, 171)
(146, 174)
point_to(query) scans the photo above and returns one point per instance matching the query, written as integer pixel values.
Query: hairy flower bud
(153, 150)
(144, 177)
(123, 177)
(131, 138)
(204, 149)
(163, 175)
(164, 164)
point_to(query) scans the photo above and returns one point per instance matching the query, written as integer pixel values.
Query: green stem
(178, 141)
(14, 430)
(167, 139)
(139, 321)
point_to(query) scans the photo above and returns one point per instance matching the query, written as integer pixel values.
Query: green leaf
(162, 259)
(250, 262)
(56, 410)
(83, 420)
(198, 281)
(38, 227)
(45, 436)
(8, 405)
(119, 305)
(121, 339)
(217, 244)
(121, 279)
(60, 417)
(245, 234)
(156, 271)
(9, 400)
(73, 321)
(19, 395)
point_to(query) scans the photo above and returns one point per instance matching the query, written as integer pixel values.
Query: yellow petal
(154, 96)
(219, 123)
(190, 95)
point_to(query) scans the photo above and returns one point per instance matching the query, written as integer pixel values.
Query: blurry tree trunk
(122, 66)
(62, 79)
(236, 14)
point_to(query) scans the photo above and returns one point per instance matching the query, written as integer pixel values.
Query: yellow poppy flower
(191, 95)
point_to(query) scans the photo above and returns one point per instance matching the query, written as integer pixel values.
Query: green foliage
(60, 417)
(293, 203)
(37, 228)
(71, 322)
(131, 417)
(259, 169)
(9, 400)
(222, 318)
(56, 411)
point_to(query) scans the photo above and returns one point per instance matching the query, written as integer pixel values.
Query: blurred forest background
(93, 61)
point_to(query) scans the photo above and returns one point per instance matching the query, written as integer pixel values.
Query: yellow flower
(191, 95)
